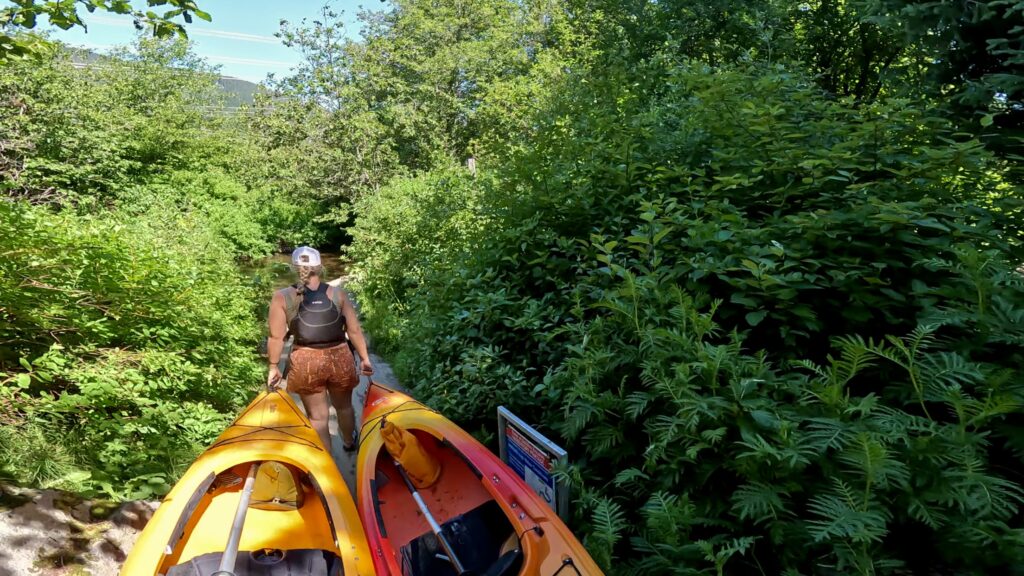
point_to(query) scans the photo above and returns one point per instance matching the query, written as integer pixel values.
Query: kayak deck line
(257, 428)
(376, 421)
(277, 392)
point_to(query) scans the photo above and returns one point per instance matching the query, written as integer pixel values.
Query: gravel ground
(51, 533)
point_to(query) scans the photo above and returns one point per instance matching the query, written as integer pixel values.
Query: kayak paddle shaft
(430, 519)
(227, 561)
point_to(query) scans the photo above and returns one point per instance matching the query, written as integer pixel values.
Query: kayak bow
(317, 535)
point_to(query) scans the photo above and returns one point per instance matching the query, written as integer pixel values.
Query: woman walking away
(323, 368)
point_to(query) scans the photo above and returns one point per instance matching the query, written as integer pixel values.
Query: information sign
(533, 457)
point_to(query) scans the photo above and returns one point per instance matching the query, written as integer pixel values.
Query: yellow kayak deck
(191, 527)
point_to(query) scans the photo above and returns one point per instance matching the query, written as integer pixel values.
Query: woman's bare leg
(346, 414)
(318, 411)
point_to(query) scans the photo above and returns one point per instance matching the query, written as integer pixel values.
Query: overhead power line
(194, 31)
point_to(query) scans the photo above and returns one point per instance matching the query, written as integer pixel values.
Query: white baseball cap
(305, 256)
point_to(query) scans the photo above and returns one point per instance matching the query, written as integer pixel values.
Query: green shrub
(692, 279)
(134, 338)
(406, 236)
(127, 335)
(889, 455)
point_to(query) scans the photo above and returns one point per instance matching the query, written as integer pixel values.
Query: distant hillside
(238, 91)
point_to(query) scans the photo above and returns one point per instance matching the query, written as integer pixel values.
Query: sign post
(533, 457)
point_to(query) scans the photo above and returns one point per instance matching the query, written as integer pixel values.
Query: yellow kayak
(296, 515)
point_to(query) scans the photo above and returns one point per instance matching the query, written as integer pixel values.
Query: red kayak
(434, 501)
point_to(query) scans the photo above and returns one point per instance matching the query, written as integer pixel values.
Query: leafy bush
(407, 235)
(693, 277)
(888, 455)
(132, 339)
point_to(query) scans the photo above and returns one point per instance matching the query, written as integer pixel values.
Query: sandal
(351, 447)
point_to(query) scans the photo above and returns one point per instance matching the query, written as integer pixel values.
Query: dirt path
(347, 460)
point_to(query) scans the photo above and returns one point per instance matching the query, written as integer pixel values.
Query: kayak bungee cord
(566, 564)
(242, 437)
(396, 410)
(256, 428)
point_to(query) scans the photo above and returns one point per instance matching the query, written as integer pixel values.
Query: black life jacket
(318, 321)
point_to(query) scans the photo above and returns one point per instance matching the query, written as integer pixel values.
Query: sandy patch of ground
(53, 533)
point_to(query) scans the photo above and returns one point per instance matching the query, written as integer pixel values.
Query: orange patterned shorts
(313, 370)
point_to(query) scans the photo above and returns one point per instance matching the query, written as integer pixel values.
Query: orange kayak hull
(475, 490)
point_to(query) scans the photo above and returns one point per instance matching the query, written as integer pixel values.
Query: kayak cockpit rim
(327, 508)
(203, 490)
(186, 514)
(469, 463)
(487, 507)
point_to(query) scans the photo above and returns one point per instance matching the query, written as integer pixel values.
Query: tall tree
(410, 95)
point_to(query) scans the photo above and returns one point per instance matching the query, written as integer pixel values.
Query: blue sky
(240, 39)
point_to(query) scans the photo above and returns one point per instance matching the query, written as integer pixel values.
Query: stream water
(276, 270)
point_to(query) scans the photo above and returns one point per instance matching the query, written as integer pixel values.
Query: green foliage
(969, 51)
(141, 134)
(411, 96)
(691, 277)
(24, 15)
(127, 333)
(407, 234)
(31, 456)
(125, 337)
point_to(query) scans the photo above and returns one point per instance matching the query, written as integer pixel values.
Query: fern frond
(714, 436)
(926, 514)
(603, 439)
(868, 456)
(630, 475)
(824, 434)
(811, 367)
(921, 338)
(854, 357)
(759, 502)
(608, 522)
(636, 403)
(841, 516)
(759, 449)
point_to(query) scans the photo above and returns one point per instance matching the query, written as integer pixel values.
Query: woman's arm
(278, 326)
(355, 331)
